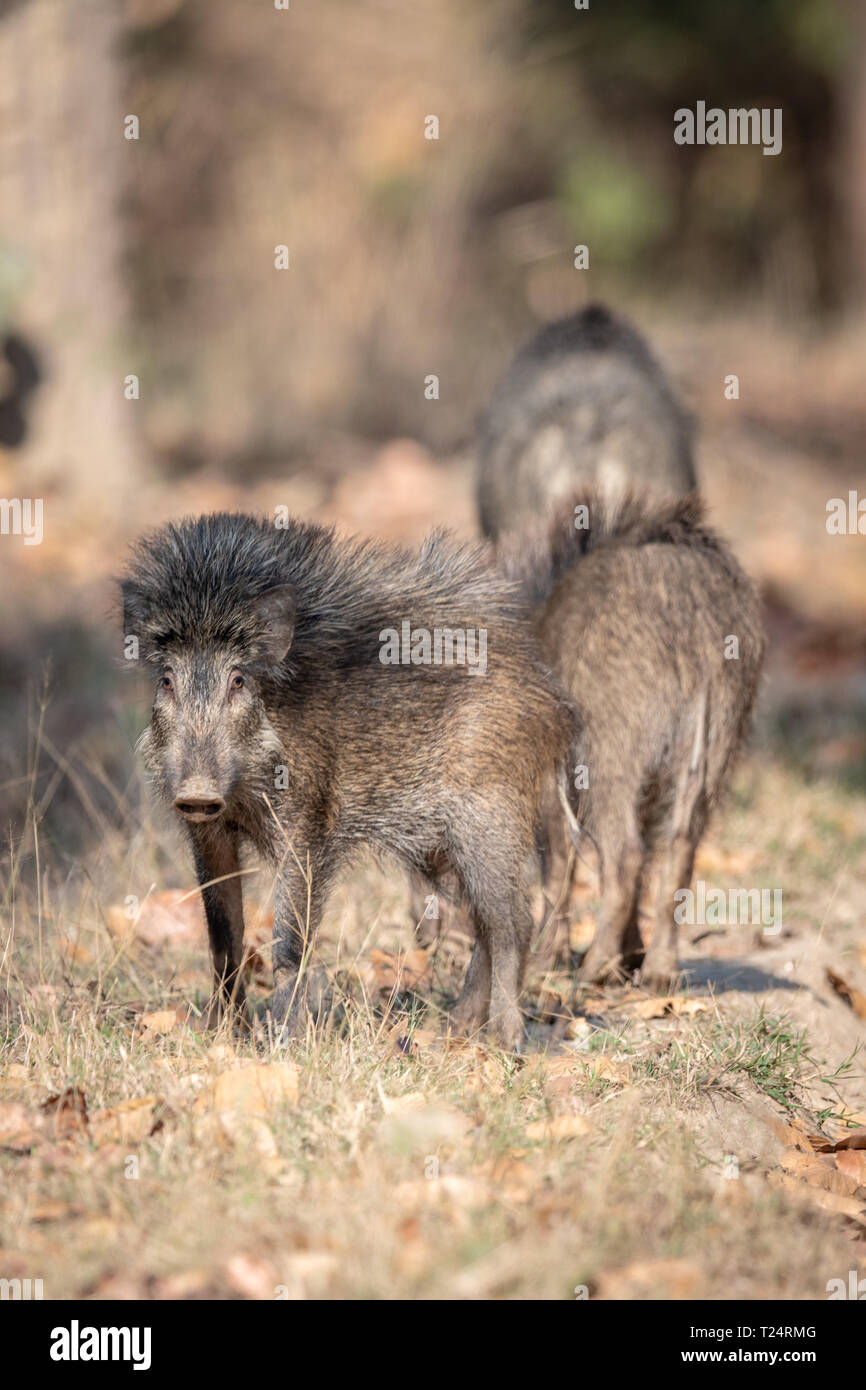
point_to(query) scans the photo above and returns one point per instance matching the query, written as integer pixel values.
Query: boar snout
(198, 802)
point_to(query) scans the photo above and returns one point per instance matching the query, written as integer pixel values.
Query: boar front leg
(491, 864)
(299, 899)
(215, 850)
(472, 1009)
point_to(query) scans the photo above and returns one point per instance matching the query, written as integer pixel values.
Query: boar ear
(136, 612)
(132, 605)
(275, 610)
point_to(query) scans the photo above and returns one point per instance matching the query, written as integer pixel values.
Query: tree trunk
(62, 164)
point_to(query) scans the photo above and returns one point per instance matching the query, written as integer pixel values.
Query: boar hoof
(218, 1011)
(293, 1004)
(288, 1019)
(466, 1019)
(660, 976)
(599, 968)
(507, 1031)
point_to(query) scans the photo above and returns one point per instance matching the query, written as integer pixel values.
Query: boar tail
(692, 782)
(576, 830)
(570, 818)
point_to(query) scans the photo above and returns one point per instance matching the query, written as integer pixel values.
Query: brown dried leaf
(403, 971)
(399, 1105)
(73, 951)
(852, 1207)
(513, 1178)
(854, 998)
(254, 1135)
(562, 1127)
(818, 1171)
(673, 1004)
(53, 1210)
(579, 1068)
(686, 1007)
(16, 1075)
(121, 1286)
(256, 967)
(306, 1274)
(162, 1020)
(250, 1277)
(651, 1279)
(186, 1284)
(455, 1189)
(424, 1128)
(852, 1162)
(855, 1139)
(405, 1044)
(712, 860)
(16, 1131)
(67, 1112)
(175, 915)
(616, 1070)
(793, 1133)
(550, 1005)
(126, 1123)
(255, 1090)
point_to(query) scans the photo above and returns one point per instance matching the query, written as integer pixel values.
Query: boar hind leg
(614, 943)
(675, 857)
(299, 899)
(660, 969)
(215, 849)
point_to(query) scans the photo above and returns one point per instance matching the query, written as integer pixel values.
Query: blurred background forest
(154, 257)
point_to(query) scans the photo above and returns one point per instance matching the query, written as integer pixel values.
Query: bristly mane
(537, 558)
(592, 329)
(193, 583)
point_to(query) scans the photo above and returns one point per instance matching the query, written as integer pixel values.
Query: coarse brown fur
(637, 610)
(584, 402)
(276, 724)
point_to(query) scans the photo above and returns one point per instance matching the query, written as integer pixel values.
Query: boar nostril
(200, 807)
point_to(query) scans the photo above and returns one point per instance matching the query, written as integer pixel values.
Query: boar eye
(236, 681)
(166, 681)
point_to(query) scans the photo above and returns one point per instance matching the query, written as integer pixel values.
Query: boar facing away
(276, 724)
(583, 402)
(656, 632)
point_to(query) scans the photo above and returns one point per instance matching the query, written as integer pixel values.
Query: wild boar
(656, 633)
(583, 402)
(314, 694)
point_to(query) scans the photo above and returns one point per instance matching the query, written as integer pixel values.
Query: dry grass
(406, 1164)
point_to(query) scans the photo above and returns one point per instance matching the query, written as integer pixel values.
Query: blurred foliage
(689, 210)
(411, 256)
(614, 205)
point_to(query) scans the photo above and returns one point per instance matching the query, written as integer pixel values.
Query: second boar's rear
(656, 633)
